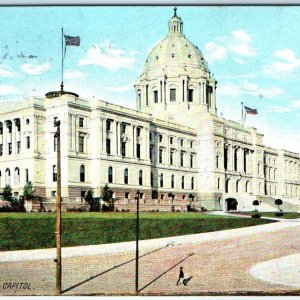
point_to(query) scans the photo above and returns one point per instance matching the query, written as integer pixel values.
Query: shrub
(279, 214)
(256, 216)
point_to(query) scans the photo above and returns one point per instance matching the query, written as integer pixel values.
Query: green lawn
(36, 230)
(286, 215)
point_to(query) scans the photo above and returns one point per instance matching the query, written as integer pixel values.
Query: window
(82, 194)
(138, 131)
(192, 183)
(172, 95)
(9, 126)
(155, 96)
(18, 147)
(160, 155)
(1, 150)
(235, 159)
(192, 161)
(53, 193)
(191, 144)
(150, 136)
(108, 147)
(123, 128)
(181, 142)
(7, 176)
(182, 182)
(81, 120)
(160, 138)
(151, 153)
(9, 149)
(1, 128)
(26, 176)
(108, 125)
(110, 174)
(123, 148)
(17, 176)
(161, 180)
(126, 195)
(171, 140)
(190, 95)
(81, 143)
(147, 94)
(140, 177)
(55, 143)
(28, 142)
(151, 179)
(138, 150)
(82, 173)
(54, 173)
(126, 176)
(171, 157)
(27, 121)
(181, 158)
(172, 182)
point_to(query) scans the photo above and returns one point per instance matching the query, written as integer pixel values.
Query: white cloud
(5, 72)
(286, 64)
(240, 76)
(7, 90)
(296, 103)
(247, 88)
(74, 74)
(215, 52)
(108, 57)
(121, 89)
(278, 109)
(238, 46)
(33, 69)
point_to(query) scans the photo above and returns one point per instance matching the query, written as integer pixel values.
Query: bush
(74, 209)
(256, 216)
(279, 214)
(14, 207)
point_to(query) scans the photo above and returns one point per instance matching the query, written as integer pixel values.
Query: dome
(175, 54)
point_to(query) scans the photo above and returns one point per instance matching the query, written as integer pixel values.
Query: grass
(36, 230)
(286, 215)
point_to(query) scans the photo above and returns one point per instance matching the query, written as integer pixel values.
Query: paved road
(219, 266)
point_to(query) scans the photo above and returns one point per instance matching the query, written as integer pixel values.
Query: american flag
(251, 111)
(72, 40)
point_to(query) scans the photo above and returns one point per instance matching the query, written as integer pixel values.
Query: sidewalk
(125, 247)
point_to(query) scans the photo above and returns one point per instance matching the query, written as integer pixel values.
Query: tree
(106, 194)
(7, 193)
(256, 203)
(28, 191)
(94, 203)
(278, 202)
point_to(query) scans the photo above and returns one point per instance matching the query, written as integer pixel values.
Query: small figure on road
(181, 276)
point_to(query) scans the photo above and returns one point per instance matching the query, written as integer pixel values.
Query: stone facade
(213, 163)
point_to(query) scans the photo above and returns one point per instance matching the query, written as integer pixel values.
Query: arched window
(26, 175)
(182, 182)
(17, 176)
(227, 186)
(172, 182)
(140, 177)
(126, 176)
(82, 173)
(161, 180)
(7, 177)
(192, 183)
(110, 174)
(54, 173)
(237, 186)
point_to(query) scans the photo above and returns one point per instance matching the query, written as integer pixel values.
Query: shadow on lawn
(113, 268)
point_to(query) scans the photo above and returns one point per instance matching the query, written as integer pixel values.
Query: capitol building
(173, 148)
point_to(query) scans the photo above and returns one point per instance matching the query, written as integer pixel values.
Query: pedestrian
(181, 276)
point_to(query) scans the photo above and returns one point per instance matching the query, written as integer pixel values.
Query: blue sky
(253, 52)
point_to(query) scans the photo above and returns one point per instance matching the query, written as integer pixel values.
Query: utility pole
(137, 197)
(58, 211)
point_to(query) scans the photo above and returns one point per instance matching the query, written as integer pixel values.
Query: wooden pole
(58, 213)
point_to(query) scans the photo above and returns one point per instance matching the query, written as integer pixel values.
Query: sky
(253, 53)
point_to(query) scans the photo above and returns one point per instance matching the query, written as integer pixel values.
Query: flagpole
(242, 112)
(62, 59)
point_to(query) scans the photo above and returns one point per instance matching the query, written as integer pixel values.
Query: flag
(250, 111)
(72, 40)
